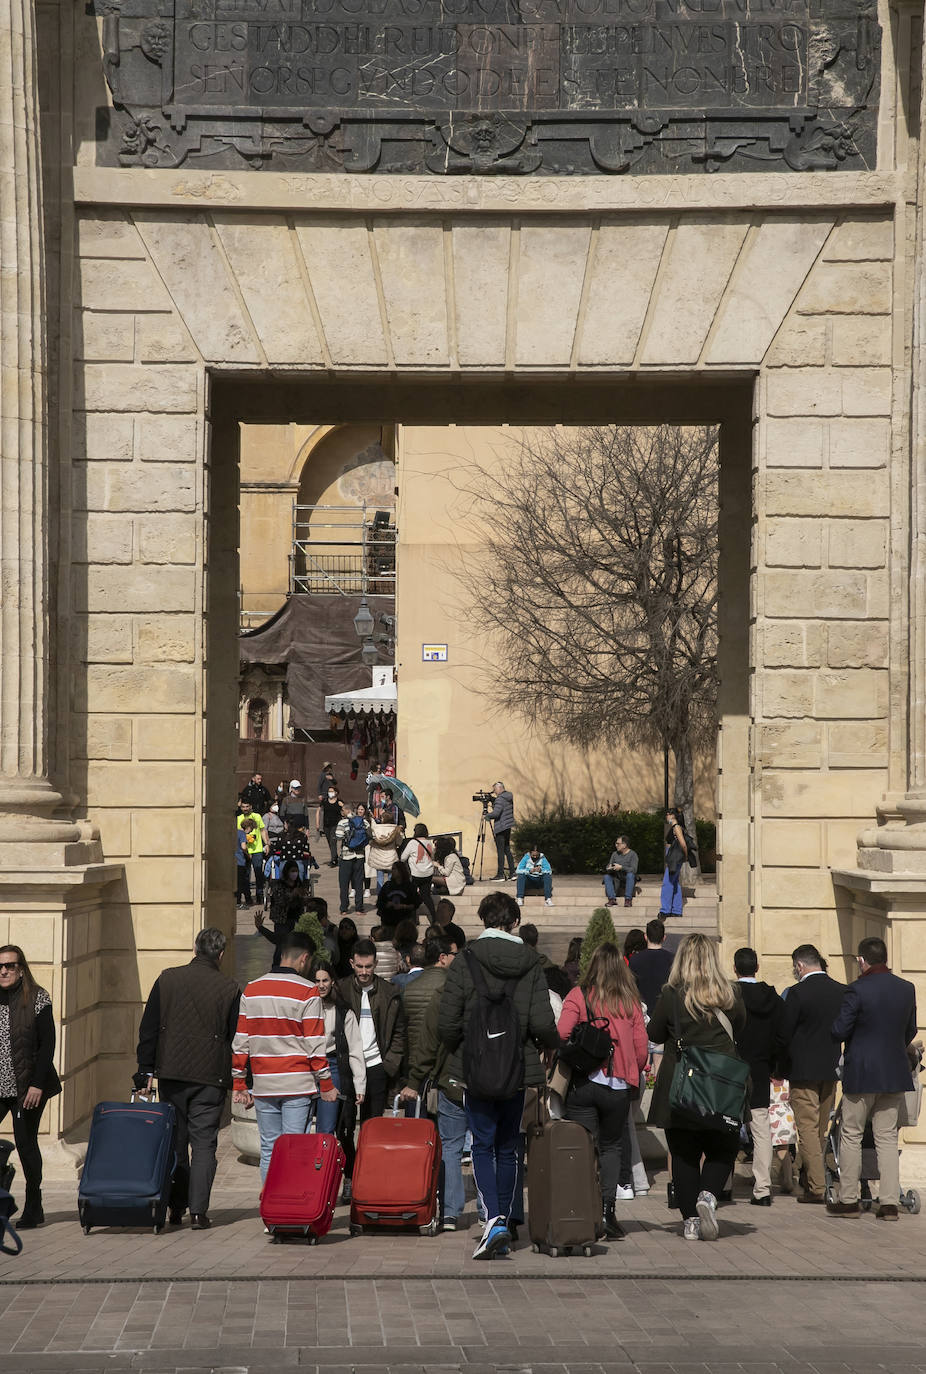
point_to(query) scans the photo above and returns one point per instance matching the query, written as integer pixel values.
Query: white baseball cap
(295, 783)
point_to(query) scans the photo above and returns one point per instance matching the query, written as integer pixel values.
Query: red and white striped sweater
(281, 1030)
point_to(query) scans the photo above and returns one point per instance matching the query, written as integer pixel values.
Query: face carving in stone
(155, 39)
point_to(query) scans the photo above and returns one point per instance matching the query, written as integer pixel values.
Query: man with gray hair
(502, 818)
(184, 1041)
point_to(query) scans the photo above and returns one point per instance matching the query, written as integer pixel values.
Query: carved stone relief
(506, 87)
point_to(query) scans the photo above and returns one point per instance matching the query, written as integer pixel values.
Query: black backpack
(493, 1053)
(467, 875)
(589, 1044)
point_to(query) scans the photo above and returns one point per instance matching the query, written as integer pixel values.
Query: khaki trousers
(761, 1152)
(882, 1108)
(812, 1104)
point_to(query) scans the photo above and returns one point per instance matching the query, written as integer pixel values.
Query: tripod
(479, 851)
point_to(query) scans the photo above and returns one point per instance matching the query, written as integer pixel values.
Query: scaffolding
(343, 550)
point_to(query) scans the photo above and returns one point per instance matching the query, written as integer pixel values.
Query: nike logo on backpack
(493, 1035)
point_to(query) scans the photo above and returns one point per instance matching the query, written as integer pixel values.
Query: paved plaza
(787, 1288)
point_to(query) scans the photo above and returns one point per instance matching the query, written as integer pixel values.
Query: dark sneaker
(842, 1209)
(887, 1212)
(494, 1238)
(761, 1201)
(813, 1199)
(449, 1224)
(199, 1221)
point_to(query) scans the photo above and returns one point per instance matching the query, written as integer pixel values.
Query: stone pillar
(27, 799)
(52, 883)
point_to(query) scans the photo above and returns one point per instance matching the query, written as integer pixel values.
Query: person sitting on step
(534, 874)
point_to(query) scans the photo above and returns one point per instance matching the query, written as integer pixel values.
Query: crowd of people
(335, 1034)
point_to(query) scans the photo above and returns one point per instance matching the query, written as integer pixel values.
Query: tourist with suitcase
(377, 1005)
(184, 1041)
(606, 1047)
(281, 1040)
(494, 1012)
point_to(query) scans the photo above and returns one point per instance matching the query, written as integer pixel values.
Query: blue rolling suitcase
(129, 1165)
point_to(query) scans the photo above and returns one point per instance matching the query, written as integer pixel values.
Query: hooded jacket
(759, 1041)
(502, 958)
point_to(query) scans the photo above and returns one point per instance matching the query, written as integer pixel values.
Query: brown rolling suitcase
(564, 1189)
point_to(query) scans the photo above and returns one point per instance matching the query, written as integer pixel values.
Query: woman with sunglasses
(27, 1072)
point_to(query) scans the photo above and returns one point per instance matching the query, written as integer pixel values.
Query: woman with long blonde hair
(600, 1100)
(698, 1007)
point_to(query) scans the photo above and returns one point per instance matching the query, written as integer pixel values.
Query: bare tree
(600, 572)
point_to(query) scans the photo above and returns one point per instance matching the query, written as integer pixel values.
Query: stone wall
(800, 300)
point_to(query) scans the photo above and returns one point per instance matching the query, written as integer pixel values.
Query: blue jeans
(325, 1113)
(496, 1128)
(278, 1116)
(451, 1125)
(612, 885)
(527, 883)
(257, 863)
(670, 897)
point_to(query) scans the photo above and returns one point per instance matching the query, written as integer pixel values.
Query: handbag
(589, 1044)
(709, 1089)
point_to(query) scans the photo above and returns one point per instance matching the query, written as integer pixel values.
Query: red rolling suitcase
(302, 1186)
(396, 1175)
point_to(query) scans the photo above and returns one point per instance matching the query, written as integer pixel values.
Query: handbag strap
(724, 1020)
(722, 1017)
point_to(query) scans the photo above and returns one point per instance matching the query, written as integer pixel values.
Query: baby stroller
(909, 1198)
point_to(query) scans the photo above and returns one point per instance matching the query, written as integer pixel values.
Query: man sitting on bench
(534, 874)
(621, 872)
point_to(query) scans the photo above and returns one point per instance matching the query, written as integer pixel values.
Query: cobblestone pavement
(785, 1289)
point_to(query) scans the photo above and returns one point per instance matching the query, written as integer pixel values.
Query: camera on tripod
(486, 798)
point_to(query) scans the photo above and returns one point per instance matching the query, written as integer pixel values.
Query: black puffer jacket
(502, 959)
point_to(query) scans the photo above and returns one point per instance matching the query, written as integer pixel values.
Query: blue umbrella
(401, 791)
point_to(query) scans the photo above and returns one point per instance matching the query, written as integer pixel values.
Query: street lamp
(369, 653)
(364, 623)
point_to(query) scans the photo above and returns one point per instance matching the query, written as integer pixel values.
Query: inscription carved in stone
(491, 86)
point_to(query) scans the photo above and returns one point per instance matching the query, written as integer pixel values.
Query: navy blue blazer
(877, 1022)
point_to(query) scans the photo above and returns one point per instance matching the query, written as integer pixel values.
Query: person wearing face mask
(327, 820)
(27, 1072)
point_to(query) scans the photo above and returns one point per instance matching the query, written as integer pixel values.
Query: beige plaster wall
(452, 741)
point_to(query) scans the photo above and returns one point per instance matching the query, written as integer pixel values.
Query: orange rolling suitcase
(396, 1174)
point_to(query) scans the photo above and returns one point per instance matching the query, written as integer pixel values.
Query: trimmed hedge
(599, 931)
(584, 843)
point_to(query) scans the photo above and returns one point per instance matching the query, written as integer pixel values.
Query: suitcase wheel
(430, 1229)
(587, 1251)
(912, 1201)
(355, 1229)
(86, 1230)
(554, 1252)
(535, 1249)
(158, 1229)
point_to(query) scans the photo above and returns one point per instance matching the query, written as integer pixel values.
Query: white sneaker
(692, 1229)
(548, 901)
(707, 1211)
(520, 901)
(623, 1194)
